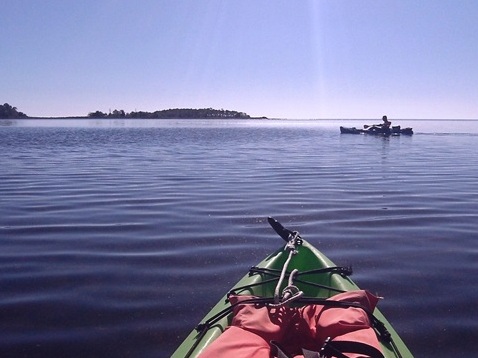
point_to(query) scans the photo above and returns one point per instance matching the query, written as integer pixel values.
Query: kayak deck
(326, 284)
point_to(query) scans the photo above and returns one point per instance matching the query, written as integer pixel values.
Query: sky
(303, 59)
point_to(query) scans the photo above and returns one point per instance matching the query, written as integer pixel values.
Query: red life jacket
(295, 329)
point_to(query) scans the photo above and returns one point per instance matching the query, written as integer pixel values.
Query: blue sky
(303, 59)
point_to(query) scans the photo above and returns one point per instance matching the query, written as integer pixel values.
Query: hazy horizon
(310, 59)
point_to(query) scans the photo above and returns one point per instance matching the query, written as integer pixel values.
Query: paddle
(286, 234)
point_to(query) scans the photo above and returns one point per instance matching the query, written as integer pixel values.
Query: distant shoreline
(9, 112)
(128, 118)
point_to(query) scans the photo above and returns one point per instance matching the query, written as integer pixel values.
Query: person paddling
(386, 123)
(383, 127)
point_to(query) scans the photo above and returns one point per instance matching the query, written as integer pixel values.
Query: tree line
(185, 113)
(9, 112)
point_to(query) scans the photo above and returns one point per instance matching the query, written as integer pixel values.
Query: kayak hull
(394, 131)
(308, 258)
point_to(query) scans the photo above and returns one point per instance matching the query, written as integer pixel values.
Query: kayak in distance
(396, 130)
(295, 303)
(382, 129)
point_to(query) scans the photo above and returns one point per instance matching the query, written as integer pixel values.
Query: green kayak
(316, 280)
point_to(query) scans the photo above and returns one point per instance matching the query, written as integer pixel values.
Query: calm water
(116, 237)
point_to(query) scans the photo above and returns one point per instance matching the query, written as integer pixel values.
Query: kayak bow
(318, 279)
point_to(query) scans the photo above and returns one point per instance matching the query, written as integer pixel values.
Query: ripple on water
(116, 241)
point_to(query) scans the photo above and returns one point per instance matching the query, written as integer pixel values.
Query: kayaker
(386, 123)
(382, 127)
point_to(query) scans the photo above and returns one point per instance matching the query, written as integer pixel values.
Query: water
(117, 237)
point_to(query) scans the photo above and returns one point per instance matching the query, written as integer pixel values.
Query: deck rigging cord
(291, 292)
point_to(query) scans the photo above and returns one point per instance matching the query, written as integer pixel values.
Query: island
(185, 113)
(9, 112)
